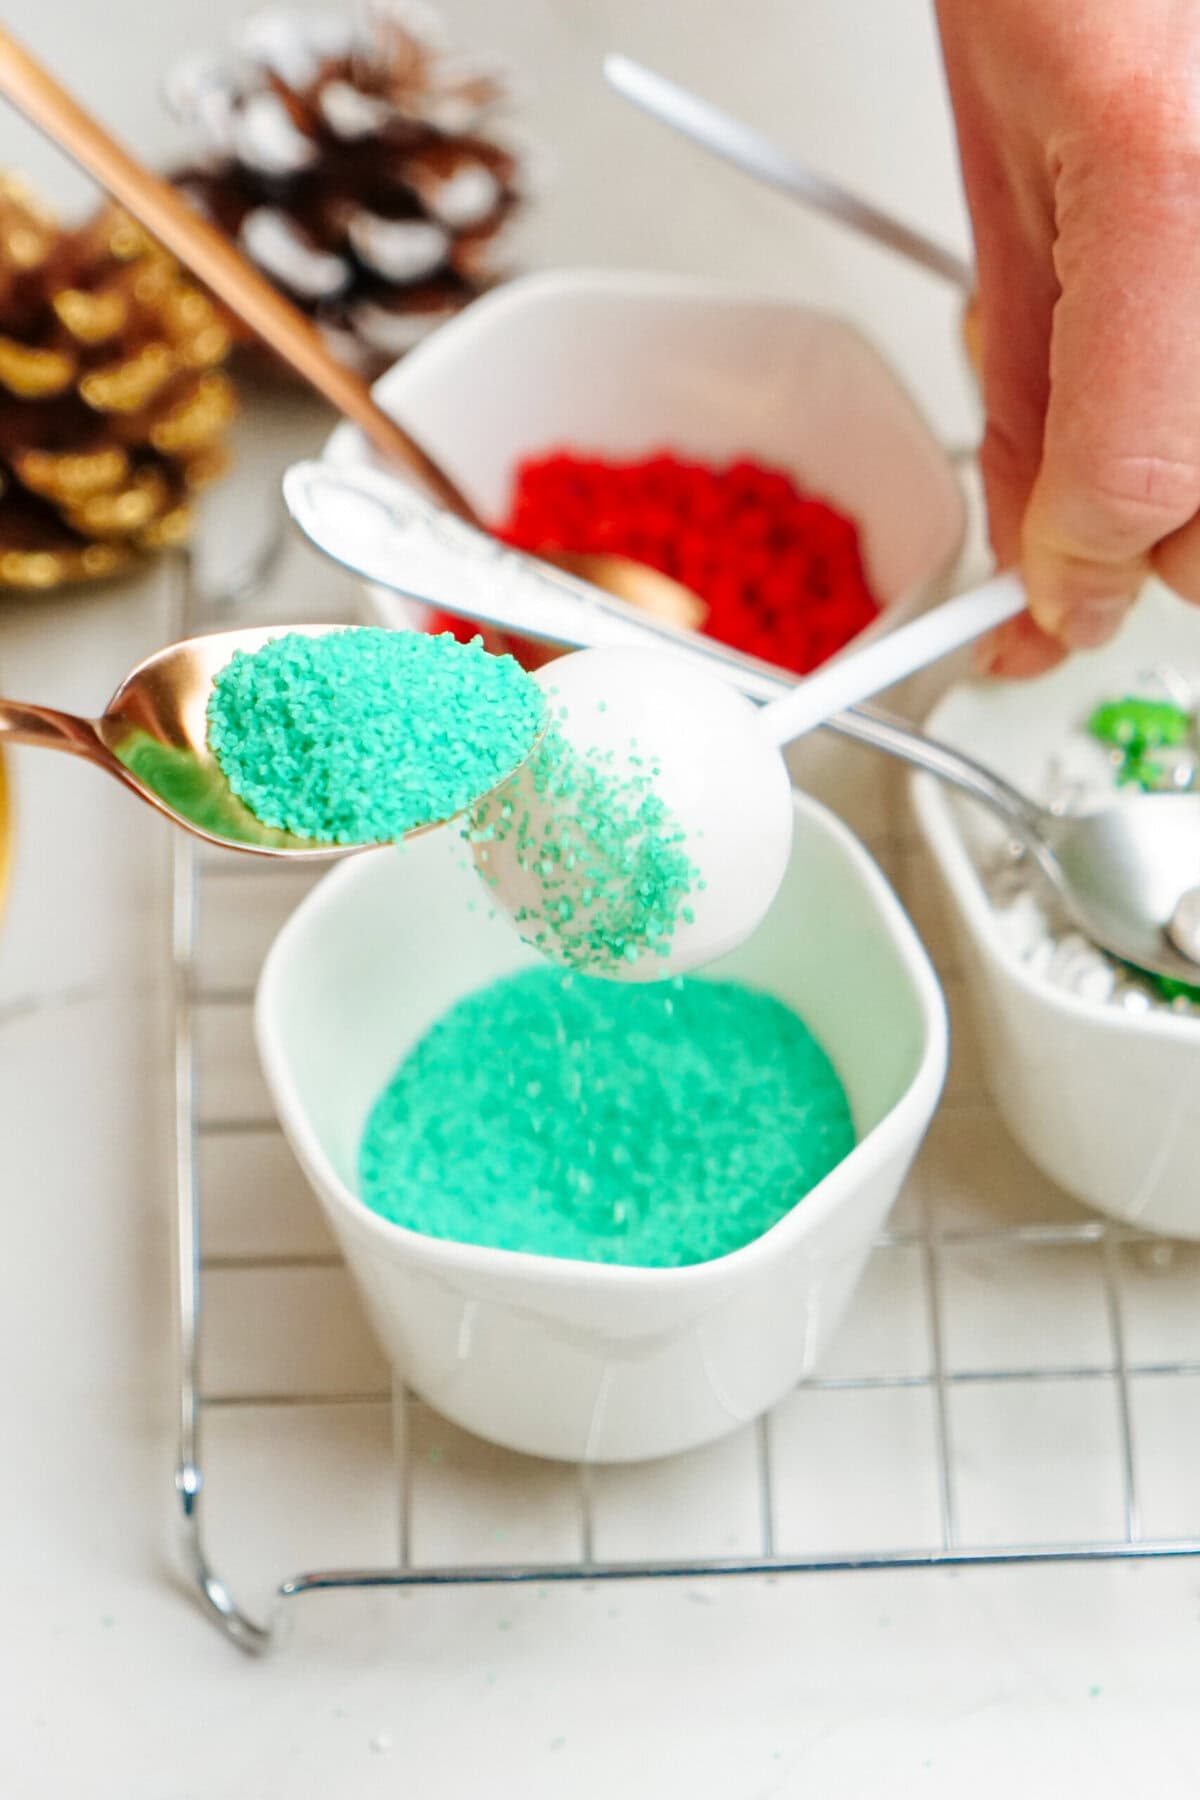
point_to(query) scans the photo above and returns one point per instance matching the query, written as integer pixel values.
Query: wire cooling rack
(954, 1460)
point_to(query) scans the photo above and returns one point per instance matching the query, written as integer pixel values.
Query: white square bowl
(1102, 1100)
(579, 1360)
(622, 364)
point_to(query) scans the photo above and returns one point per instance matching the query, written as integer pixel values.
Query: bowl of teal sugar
(590, 1220)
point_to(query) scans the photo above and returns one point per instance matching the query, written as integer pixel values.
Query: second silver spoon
(1128, 873)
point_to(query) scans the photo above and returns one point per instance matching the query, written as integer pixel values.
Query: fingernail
(1085, 627)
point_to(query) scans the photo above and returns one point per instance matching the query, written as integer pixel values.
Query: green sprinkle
(359, 737)
(649, 1125)
(1131, 723)
(1170, 989)
(1135, 729)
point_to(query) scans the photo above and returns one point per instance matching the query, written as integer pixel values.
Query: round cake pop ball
(649, 831)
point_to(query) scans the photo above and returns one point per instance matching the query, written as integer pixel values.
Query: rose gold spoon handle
(34, 92)
(49, 729)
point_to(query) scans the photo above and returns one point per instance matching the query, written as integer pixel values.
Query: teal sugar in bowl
(654, 1124)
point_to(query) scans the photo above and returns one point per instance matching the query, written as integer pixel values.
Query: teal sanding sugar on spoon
(363, 735)
(658, 1125)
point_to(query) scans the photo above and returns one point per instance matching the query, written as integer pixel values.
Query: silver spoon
(755, 155)
(1128, 872)
(152, 736)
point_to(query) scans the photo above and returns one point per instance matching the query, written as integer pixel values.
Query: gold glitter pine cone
(359, 165)
(111, 399)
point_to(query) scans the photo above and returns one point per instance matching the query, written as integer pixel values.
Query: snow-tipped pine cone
(359, 165)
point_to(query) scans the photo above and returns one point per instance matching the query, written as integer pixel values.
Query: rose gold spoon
(222, 267)
(152, 736)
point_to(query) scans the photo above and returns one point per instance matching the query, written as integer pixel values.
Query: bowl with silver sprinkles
(1094, 1065)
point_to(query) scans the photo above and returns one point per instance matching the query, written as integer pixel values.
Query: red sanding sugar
(779, 571)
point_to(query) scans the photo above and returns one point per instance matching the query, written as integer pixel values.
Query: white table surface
(1061, 1680)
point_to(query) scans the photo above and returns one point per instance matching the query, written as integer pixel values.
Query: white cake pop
(650, 832)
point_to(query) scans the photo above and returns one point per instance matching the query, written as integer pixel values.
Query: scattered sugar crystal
(604, 865)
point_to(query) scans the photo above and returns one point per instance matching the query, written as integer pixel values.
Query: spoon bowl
(651, 835)
(1126, 872)
(155, 730)
(656, 595)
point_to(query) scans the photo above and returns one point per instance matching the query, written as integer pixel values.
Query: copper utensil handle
(44, 727)
(164, 212)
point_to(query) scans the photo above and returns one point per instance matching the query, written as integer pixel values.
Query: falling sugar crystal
(605, 836)
(630, 858)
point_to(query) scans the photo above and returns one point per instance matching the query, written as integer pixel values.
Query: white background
(853, 86)
(1061, 1681)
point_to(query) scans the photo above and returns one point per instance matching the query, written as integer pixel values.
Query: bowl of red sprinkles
(778, 572)
(761, 453)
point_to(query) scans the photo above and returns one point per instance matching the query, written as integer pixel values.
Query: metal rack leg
(189, 1477)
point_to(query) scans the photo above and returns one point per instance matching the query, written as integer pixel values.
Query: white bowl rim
(399, 1243)
(931, 803)
(657, 287)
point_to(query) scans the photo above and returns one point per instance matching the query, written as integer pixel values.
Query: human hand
(1079, 132)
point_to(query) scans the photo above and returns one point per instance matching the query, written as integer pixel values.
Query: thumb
(1120, 466)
